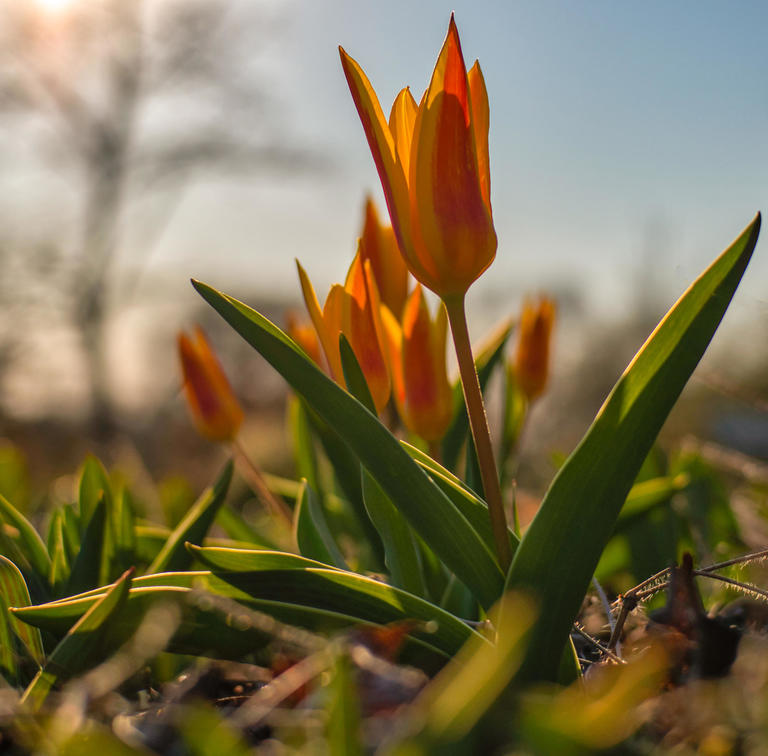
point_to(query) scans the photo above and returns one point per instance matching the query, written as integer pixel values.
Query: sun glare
(53, 6)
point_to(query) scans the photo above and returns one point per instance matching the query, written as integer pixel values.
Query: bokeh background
(145, 142)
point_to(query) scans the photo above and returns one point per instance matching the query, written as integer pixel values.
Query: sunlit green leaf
(313, 536)
(560, 550)
(426, 508)
(79, 649)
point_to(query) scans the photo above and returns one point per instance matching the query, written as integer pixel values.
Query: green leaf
(346, 471)
(560, 550)
(401, 552)
(313, 536)
(474, 509)
(649, 494)
(303, 447)
(420, 501)
(60, 566)
(193, 526)
(454, 703)
(79, 649)
(344, 730)
(94, 483)
(28, 541)
(235, 526)
(289, 588)
(13, 592)
(87, 567)
(125, 532)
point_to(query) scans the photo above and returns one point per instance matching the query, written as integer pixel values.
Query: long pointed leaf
(193, 526)
(77, 650)
(13, 592)
(561, 548)
(29, 541)
(427, 509)
(313, 536)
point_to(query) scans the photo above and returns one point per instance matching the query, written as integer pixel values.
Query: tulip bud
(533, 345)
(216, 412)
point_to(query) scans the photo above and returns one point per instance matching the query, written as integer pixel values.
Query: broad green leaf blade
(29, 542)
(315, 597)
(94, 483)
(560, 550)
(193, 526)
(235, 526)
(648, 494)
(313, 536)
(354, 376)
(13, 592)
(125, 532)
(79, 648)
(456, 700)
(60, 567)
(346, 472)
(401, 552)
(87, 567)
(474, 509)
(303, 447)
(420, 501)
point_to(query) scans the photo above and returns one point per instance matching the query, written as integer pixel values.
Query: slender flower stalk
(255, 477)
(216, 411)
(478, 422)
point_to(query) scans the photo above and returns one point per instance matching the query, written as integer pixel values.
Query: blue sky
(626, 138)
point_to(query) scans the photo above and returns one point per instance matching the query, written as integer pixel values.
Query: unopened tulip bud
(216, 412)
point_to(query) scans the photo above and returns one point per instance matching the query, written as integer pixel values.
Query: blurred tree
(126, 100)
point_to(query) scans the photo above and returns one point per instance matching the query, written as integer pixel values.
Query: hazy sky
(624, 136)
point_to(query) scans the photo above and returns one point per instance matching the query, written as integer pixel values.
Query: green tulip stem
(478, 422)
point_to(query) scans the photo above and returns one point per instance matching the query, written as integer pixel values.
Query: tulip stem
(478, 422)
(255, 479)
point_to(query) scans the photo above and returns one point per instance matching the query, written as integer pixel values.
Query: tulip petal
(401, 120)
(480, 124)
(328, 342)
(379, 247)
(454, 226)
(429, 401)
(393, 342)
(382, 146)
(364, 330)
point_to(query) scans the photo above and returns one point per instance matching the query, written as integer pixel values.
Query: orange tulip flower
(304, 334)
(432, 159)
(352, 309)
(217, 413)
(533, 344)
(417, 359)
(378, 244)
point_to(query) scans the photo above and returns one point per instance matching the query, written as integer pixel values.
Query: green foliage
(580, 509)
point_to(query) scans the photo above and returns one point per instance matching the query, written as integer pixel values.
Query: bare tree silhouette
(135, 98)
